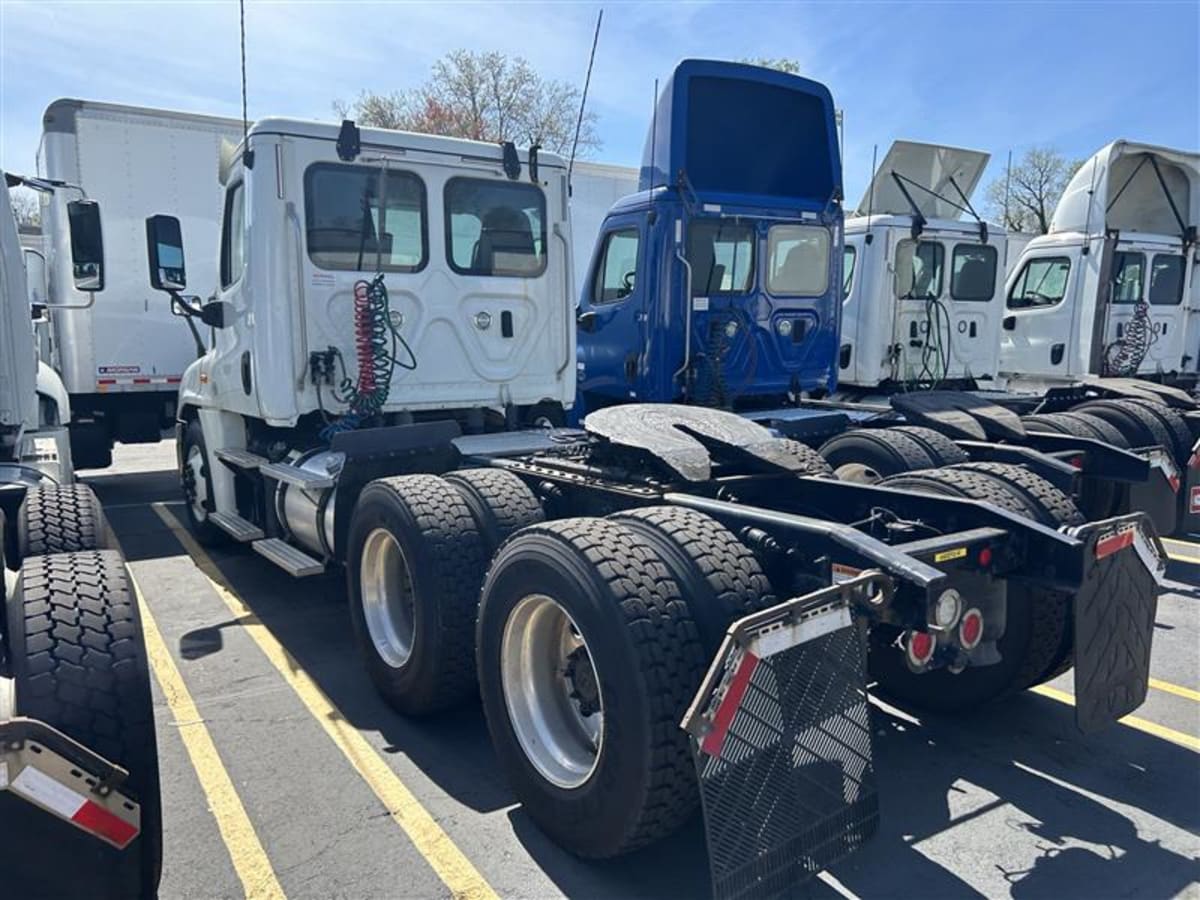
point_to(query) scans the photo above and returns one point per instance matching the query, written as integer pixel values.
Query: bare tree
(1037, 182)
(27, 210)
(783, 63)
(484, 97)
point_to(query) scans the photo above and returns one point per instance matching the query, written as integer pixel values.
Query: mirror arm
(87, 305)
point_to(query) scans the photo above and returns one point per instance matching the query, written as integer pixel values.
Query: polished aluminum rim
(552, 692)
(387, 597)
(199, 486)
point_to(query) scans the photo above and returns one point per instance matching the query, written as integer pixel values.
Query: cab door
(975, 308)
(612, 314)
(1037, 329)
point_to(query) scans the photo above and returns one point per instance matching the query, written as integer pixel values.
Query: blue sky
(992, 76)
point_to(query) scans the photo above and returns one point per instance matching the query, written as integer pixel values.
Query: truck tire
(414, 563)
(1181, 435)
(720, 577)
(60, 519)
(635, 659)
(1046, 503)
(79, 661)
(871, 454)
(811, 462)
(1038, 627)
(1076, 425)
(500, 502)
(196, 482)
(1140, 426)
(941, 450)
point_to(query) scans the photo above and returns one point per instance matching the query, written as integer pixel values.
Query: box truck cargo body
(595, 189)
(121, 358)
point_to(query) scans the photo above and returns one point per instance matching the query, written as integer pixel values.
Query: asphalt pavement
(284, 774)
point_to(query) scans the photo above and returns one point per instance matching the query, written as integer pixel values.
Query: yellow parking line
(1177, 690)
(1160, 731)
(245, 850)
(1182, 551)
(443, 856)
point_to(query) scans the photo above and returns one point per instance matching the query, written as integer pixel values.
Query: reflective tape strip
(39, 788)
(728, 707)
(1107, 546)
(142, 379)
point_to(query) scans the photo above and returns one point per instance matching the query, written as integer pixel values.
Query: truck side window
(347, 229)
(618, 266)
(1041, 283)
(1127, 277)
(1166, 280)
(798, 260)
(973, 272)
(721, 254)
(233, 235)
(849, 257)
(919, 267)
(495, 228)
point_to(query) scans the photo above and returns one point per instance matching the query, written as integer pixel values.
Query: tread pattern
(1181, 435)
(942, 451)
(725, 565)
(60, 519)
(905, 449)
(501, 502)
(79, 659)
(1077, 424)
(812, 462)
(456, 563)
(670, 663)
(1050, 505)
(1139, 425)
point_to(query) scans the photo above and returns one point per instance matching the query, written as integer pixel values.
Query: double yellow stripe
(1160, 731)
(443, 856)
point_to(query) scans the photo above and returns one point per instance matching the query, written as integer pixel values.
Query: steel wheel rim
(540, 646)
(857, 473)
(388, 603)
(198, 489)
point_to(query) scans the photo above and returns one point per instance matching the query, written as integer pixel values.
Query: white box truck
(121, 360)
(595, 187)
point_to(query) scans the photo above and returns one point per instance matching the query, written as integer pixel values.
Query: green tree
(782, 63)
(483, 97)
(1024, 199)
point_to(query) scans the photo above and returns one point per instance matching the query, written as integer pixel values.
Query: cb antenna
(245, 121)
(871, 192)
(583, 100)
(653, 133)
(1007, 189)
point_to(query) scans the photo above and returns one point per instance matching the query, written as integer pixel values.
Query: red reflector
(715, 739)
(1077, 462)
(1107, 546)
(99, 820)
(970, 630)
(920, 646)
(985, 557)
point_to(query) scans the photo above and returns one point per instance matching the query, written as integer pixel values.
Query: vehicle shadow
(1051, 780)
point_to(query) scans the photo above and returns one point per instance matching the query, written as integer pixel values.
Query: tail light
(970, 629)
(919, 647)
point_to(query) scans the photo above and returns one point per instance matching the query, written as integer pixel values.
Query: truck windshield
(798, 260)
(721, 254)
(346, 229)
(919, 270)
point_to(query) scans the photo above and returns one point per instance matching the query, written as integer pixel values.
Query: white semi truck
(121, 360)
(79, 789)
(394, 307)
(1112, 289)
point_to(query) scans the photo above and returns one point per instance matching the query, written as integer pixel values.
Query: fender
(50, 385)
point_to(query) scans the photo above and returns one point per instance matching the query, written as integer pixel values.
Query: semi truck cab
(719, 281)
(1112, 288)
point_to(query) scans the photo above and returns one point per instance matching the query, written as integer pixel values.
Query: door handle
(1009, 323)
(586, 321)
(1056, 353)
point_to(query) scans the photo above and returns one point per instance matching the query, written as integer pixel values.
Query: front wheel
(196, 481)
(588, 657)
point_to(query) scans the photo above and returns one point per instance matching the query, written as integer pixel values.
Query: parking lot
(283, 774)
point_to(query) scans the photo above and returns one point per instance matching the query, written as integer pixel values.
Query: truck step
(294, 561)
(236, 527)
(301, 478)
(240, 459)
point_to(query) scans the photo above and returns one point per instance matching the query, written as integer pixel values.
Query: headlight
(784, 327)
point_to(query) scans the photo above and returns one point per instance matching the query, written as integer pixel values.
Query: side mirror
(164, 248)
(87, 245)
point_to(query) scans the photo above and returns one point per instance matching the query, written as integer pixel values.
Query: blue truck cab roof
(742, 134)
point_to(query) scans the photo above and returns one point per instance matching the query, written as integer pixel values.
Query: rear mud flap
(781, 738)
(1114, 620)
